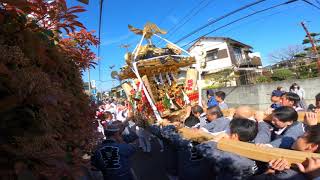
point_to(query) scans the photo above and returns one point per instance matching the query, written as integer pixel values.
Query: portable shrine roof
(155, 66)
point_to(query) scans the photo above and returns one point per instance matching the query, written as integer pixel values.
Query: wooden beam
(230, 112)
(195, 135)
(248, 150)
(254, 152)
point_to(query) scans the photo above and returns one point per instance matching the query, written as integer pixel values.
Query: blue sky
(265, 32)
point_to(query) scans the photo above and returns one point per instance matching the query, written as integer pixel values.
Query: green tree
(223, 77)
(263, 79)
(307, 71)
(282, 74)
(306, 41)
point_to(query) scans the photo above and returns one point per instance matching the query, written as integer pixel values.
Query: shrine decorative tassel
(173, 78)
(161, 80)
(168, 78)
(156, 80)
(185, 98)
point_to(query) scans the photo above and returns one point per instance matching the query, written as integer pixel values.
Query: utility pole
(314, 47)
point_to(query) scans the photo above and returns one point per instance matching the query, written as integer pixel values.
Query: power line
(164, 18)
(244, 17)
(256, 20)
(183, 18)
(310, 3)
(218, 19)
(197, 12)
(186, 16)
(249, 22)
(318, 1)
(168, 13)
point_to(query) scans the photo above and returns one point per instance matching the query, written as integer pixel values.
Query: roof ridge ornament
(148, 30)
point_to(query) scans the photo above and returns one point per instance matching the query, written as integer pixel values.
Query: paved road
(150, 166)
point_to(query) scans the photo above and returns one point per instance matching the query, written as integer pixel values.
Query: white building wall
(255, 54)
(207, 45)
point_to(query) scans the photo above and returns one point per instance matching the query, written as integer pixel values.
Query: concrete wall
(258, 96)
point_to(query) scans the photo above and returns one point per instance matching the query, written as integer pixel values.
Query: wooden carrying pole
(252, 151)
(230, 112)
(248, 150)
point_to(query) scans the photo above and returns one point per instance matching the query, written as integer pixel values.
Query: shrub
(216, 86)
(282, 74)
(44, 112)
(307, 71)
(263, 79)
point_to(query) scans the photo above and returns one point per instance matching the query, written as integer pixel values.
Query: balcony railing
(255, 61)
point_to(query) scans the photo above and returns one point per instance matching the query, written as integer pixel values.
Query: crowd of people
(125, 133)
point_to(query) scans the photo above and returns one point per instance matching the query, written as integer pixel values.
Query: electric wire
(239, 19)
(219, 19)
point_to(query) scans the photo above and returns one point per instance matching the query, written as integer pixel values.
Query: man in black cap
(112, 156)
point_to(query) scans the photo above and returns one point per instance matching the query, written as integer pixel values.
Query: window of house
(237, 53)
(212, 55)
